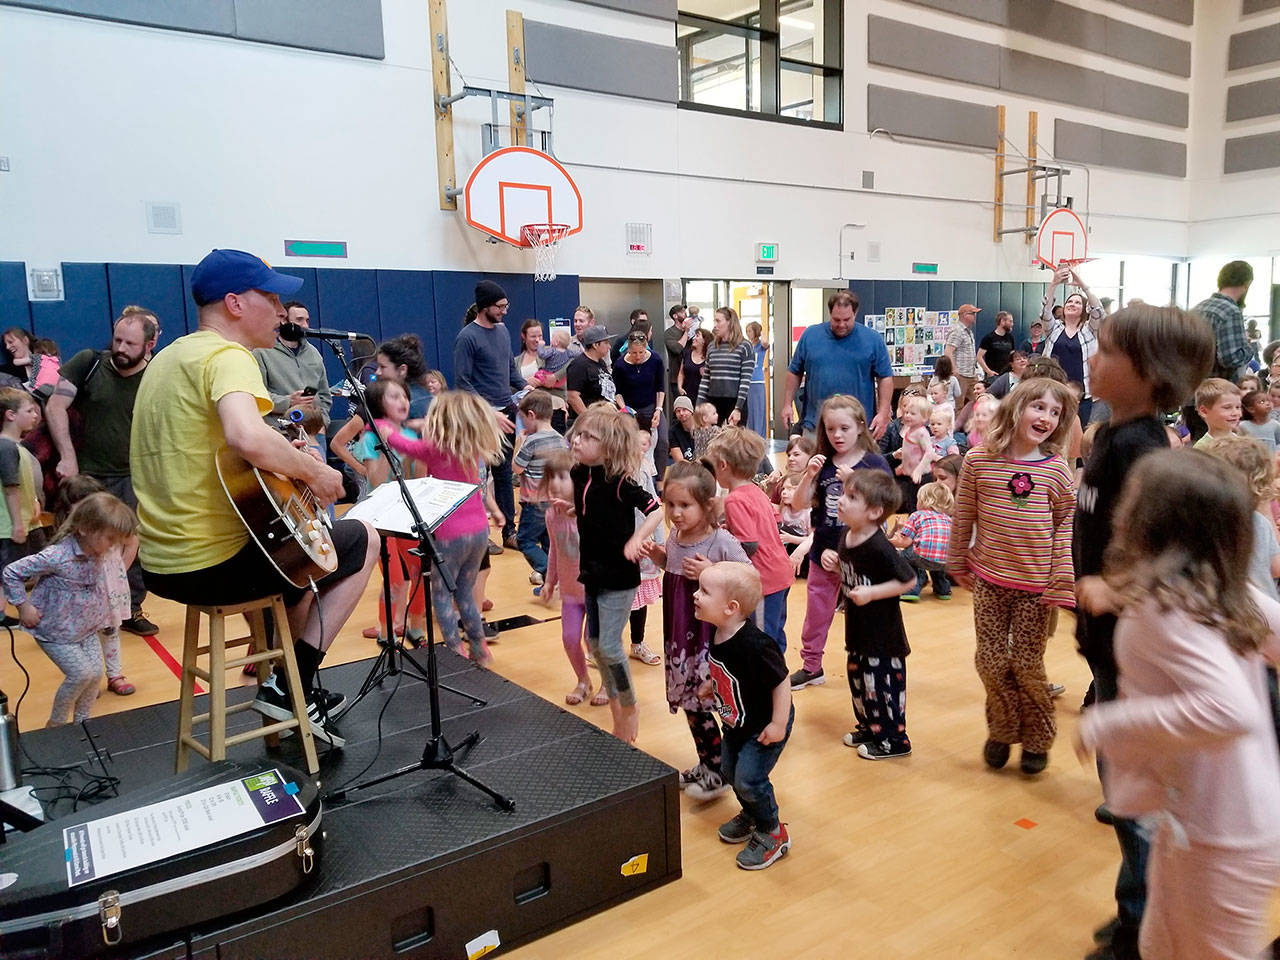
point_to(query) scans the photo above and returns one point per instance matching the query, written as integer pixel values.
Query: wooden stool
(216, 678)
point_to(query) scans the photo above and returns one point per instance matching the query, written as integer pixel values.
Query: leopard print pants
(1012, 629)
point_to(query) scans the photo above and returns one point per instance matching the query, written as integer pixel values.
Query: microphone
(292, 331)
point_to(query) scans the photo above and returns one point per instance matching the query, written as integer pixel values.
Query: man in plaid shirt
(924, 539)
(1223, 312)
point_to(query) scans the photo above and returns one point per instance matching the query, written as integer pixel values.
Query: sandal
(601, 699)
(121, 686)
(413, 639)
(641, 652)
(579, 693)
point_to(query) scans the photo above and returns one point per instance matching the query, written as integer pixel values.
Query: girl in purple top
(71, 600)
(459, 431)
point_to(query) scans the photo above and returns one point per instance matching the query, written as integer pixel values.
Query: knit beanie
(488, 293)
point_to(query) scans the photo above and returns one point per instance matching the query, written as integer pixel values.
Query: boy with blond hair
(1218, 403)
(753, 697)
(924, 538)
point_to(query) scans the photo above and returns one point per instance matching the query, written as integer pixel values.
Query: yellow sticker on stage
(485, 943)
(636, 865)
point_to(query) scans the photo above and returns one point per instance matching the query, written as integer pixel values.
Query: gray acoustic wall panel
(339, 26)
(1085, 143)
(661, 9)
(1260, 152)
(1258, 99)
(1253, 47)
(592, 61)
(933, 53)
(196, 16)
(1179, 11)
(891, 43)
(1257, 6)
(910, 114)
(1067, 24)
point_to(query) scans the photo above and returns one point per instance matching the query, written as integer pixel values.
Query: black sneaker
(995, 753)
(140, 625)
(803, 678)
(331, 699)
(883, 750)
(857, 737)
(274, 703)
(1102, 813)
(737, 830)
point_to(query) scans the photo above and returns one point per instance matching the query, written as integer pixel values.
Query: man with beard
(101, 386)
(293, 369)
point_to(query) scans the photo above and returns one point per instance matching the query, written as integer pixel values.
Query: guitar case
(44, 916)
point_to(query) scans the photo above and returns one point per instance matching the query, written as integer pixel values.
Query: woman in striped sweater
(1016, 491)
(726, 378)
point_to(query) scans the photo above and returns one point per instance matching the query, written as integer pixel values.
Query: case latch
(109, 914)
(305, 853)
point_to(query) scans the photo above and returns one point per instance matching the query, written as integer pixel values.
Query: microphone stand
(437, 754)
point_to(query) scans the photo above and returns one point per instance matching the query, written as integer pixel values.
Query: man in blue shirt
(841, 356)
(484, 364)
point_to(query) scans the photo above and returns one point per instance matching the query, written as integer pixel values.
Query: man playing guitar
(205, 391)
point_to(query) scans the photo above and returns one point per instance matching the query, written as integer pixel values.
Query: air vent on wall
(44, 283)
(868, 179)
(873, 251)
(163, 217)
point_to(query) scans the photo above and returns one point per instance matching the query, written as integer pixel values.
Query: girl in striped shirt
(1015, 500)
(726, 378)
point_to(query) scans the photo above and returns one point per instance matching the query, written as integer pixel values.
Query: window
(771, 58)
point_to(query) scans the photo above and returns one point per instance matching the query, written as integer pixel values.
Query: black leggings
(638, 618)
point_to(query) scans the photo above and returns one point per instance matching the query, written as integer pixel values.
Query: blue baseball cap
(234, 271)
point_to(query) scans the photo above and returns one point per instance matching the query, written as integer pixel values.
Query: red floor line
(167, 659)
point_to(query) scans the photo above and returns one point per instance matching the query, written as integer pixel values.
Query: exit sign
(924, 268)
(766, 253)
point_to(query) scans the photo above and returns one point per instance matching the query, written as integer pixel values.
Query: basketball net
(544, 239)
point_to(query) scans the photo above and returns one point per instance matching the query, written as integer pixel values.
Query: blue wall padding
(83, 318)
(308, 294)
(347, 300)
(15, 311)
(942, 295)
(963, 291)
(915, 293)
(866, 293)
(406, 303)
(558, 297)
(889, 294)
(156, 286)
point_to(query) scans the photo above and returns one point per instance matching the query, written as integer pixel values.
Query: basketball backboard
(517, 187)
(1061, 239)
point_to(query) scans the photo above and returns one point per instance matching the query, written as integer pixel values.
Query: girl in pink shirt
(1189, 748)
(563, 560)
(458, 432)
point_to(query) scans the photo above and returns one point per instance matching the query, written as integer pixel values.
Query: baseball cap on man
(234, 271)
(593, 335)
(968, 308)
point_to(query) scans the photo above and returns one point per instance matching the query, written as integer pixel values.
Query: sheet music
(435, 499)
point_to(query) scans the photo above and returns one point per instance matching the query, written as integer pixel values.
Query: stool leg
(285, 641)
(187, 685)
(217, 685)
(258, 630)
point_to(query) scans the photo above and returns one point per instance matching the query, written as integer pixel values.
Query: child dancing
(607, 448)
(1017, 492)
(844, 445)
(458, 431)
(924, 538)
(1189, 746)
(70, 601)
(563, 558)
(688, 493)
(748, 678)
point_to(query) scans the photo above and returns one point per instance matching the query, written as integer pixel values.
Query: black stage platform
(424, 865)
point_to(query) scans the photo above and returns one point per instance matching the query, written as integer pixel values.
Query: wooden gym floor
(929, 856)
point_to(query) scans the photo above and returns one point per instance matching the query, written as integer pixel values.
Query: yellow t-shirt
(186, 520)
(28, 467)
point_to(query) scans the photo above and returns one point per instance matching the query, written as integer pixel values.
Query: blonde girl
(984, 411)
(1189, 746)
(563, 559)
(1014, 503)
(606, 446)
(844, 445)
(71, 602)
(458, 432)
(726, 378)
(688, 495)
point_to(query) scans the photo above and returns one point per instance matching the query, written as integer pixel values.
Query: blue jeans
(463, 555)
(747, 764)
(773, 616)
(607, 614)
(531, 537)
(926, 569)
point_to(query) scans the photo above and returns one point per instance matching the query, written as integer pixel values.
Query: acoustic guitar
(283, 517)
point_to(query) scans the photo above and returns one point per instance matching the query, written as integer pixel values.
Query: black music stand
(437, 754)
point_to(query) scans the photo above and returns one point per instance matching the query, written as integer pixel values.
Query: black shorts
(249, 575)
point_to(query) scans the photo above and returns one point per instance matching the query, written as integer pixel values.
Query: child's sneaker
(803, 678)
(910, 598)
(857, 737)
(535, 578)
(883, 750)
(737, 830)
(764, 848)
(690, 776)
(708, 786)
